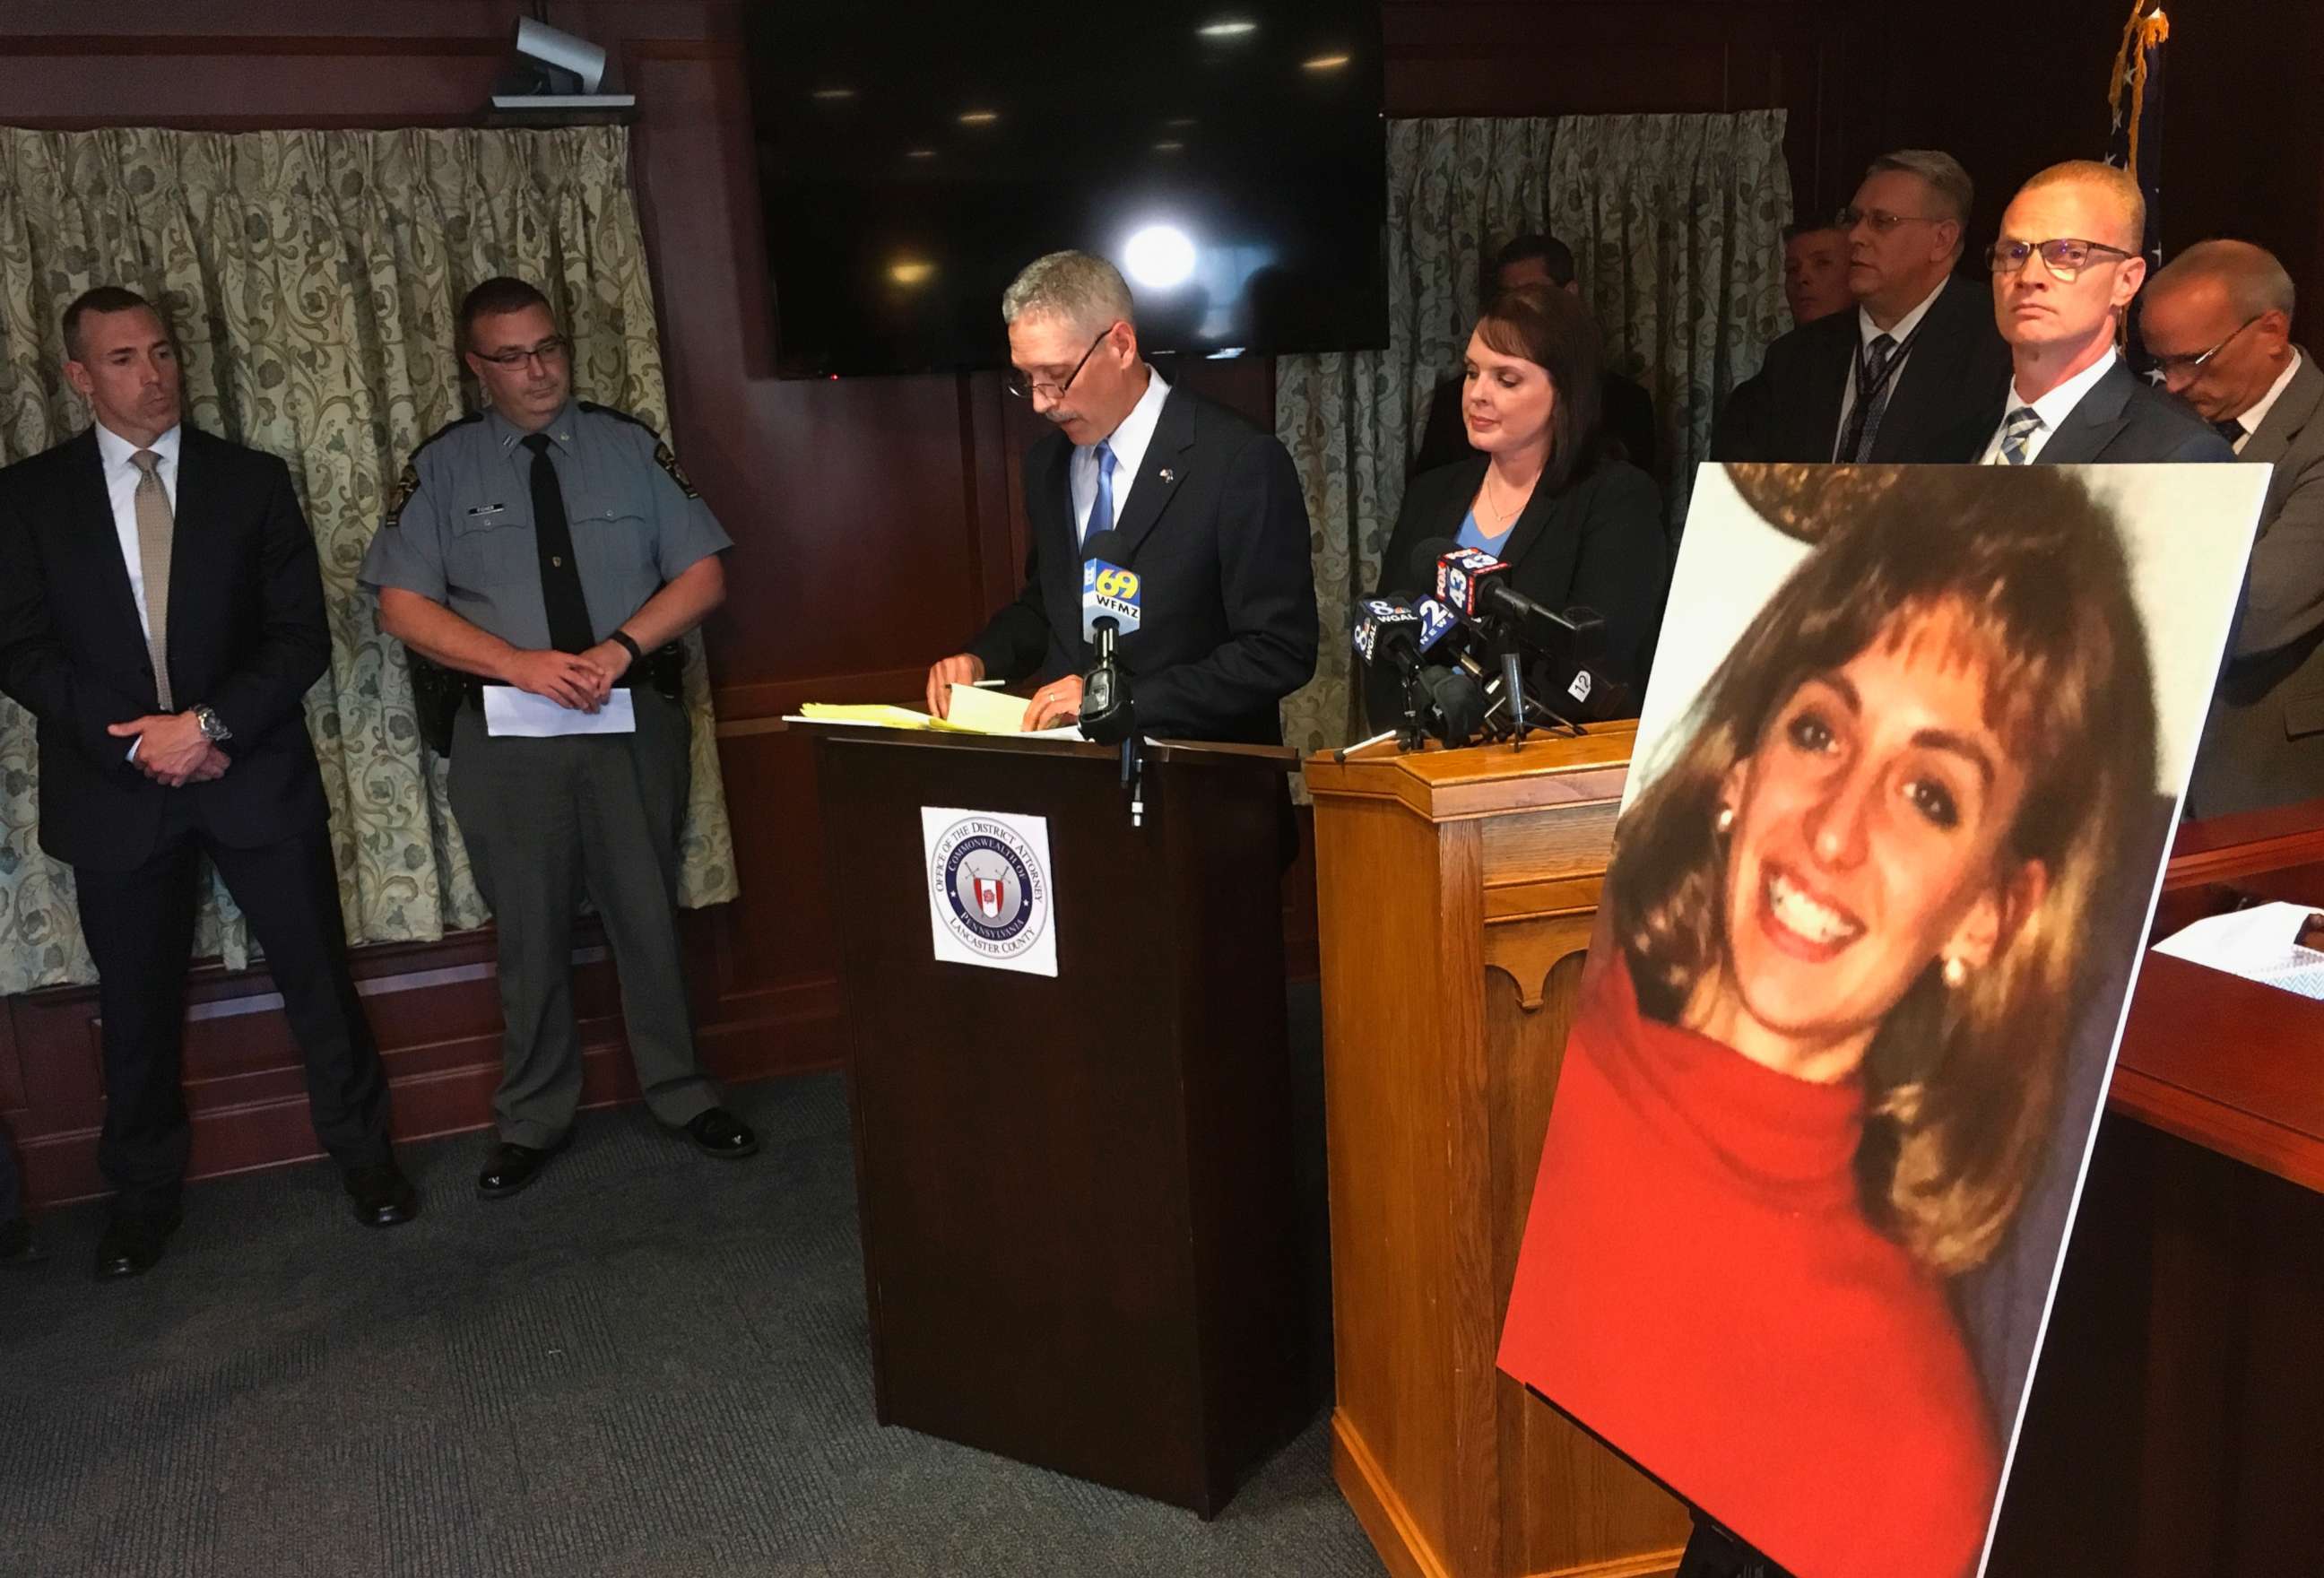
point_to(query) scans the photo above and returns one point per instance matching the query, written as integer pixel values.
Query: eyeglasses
(1881, 220)
(2172, 366)
(1024, 388)
(2065, 258)
(551, 349)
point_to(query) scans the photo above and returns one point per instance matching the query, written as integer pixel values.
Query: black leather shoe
(511, 1167)
(17, 1245)
(718, 1133)
(132, 1245)
(384, 1197)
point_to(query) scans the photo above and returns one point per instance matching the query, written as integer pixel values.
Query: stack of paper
(975, 711)
(2264, 944)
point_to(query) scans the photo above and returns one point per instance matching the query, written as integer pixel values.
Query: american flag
(2135, 96)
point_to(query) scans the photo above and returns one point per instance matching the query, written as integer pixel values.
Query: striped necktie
(2017, 431)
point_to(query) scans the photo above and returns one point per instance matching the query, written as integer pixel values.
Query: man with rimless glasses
(1203, 505)
(2217, 322)
(1913, 371)
(551, 552)
(2065, 267)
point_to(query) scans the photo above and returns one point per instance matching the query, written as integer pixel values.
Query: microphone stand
(1107, 694)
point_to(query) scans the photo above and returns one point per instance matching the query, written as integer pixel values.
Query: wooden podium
(1079, 1244)
(1456, 892)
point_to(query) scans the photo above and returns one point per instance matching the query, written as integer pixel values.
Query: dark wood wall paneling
(919, 475)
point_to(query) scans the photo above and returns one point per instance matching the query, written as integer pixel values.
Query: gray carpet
(651, 1364)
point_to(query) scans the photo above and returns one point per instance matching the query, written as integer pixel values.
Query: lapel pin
(1167, 474)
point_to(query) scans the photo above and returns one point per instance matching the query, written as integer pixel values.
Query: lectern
(1456, 891)
(1075, 1190)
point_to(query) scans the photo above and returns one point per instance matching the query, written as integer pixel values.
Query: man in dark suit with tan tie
(2217, 323)
(1913, 373)
(2065, 270)
(161, 617)
(1203, 505)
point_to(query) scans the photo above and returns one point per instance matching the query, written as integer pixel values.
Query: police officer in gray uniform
(554, 546)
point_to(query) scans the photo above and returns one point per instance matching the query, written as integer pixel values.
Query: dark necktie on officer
(569, 629)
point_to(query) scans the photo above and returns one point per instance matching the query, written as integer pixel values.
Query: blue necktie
(1101, 515)
(2017, 432)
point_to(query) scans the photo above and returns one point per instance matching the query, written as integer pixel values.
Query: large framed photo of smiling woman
(1912, 752)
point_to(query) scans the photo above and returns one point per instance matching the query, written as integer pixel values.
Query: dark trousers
(12, 1185)
(546, 820)
(140, 925)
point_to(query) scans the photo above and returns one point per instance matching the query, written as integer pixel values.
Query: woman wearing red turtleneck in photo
(1820, 1043)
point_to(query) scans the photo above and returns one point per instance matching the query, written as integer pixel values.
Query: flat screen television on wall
(1230, 158)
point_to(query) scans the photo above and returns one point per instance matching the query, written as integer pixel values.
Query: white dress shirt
(121, 479)
(1867, 331)
(1128, 441)
(2052, 408)
(2266, 403)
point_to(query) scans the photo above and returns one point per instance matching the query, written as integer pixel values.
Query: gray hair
(2255, 281)
(1086, 292)
(1942, 172)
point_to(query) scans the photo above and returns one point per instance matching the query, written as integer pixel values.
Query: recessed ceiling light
(919, 153)
(1229, 28)
(1169, 147)
(1324, 63)
(832, 93)
(910, 270)
(979, 117)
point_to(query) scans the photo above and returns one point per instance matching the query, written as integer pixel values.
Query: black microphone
(1458, 702)
(1109, 609)
(1388, 630)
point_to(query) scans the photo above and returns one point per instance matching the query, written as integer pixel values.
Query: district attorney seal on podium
(990, 894)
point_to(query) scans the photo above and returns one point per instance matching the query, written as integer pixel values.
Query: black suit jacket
(246, 636)
(1942, 409)
(1217, 530)
(1599, 544)
(1625, 415)
(2125, 420)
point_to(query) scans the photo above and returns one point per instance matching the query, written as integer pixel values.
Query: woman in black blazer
(1576, 527)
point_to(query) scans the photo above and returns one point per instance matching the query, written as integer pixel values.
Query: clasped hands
(172, 749)
(579, 680)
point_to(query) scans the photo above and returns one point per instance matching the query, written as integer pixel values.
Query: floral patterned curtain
(313, 279)
(1676, 223)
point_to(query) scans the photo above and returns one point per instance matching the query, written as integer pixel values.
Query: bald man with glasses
(1912, 372)
(2065, 270)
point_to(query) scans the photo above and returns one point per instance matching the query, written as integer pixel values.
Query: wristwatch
(213, 726)
(623, 639)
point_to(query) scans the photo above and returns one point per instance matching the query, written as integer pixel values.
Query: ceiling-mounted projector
(556, 71)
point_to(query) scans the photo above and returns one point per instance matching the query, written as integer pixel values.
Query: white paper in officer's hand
(511, 711)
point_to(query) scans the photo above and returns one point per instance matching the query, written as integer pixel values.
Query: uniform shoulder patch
(407, 481)
(668, 462)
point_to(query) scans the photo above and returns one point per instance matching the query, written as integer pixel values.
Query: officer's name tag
(485, 510)
(511, 711)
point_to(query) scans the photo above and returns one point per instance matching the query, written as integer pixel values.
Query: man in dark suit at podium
(1913, 374)
(1203, 506)
(161, 616)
